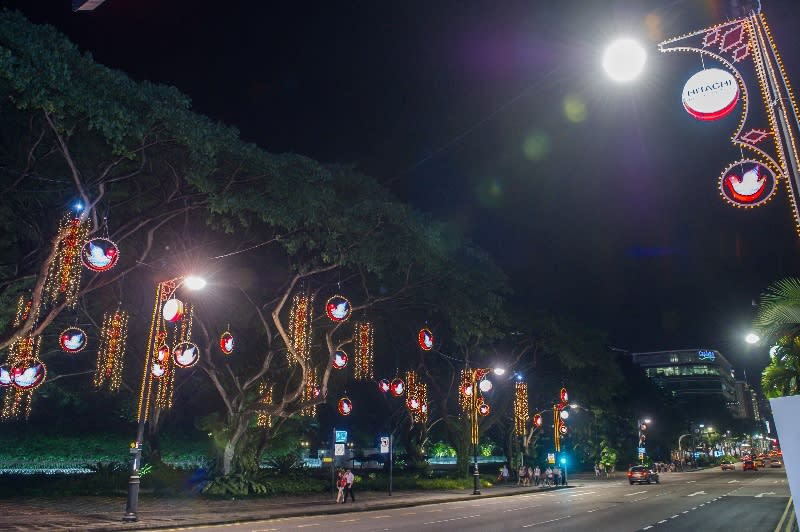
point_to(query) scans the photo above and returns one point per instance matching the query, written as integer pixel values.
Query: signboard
(384, 444)
(341, 436)
(327, 459)
(641, 456)
(706, 355)
(710, 94)
(338, 449)
(641, 450)
(551, 458)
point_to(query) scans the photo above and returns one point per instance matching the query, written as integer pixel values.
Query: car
(727, 464)
(642, 475)
(749, 464)
(759, 462)
(776, 462)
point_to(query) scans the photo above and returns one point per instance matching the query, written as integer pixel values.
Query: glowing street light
(192, 282)
(624, 59)
(752, 338)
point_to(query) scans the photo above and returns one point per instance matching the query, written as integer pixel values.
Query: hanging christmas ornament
(339, 360)
(5, 376)
(263, 419)
(384, 386)
(364, 341)
(64, 274)
(398, 387)
(338, 308)
(537, 421)
(111, 354)
(310, 391)
(173, 310)
(417, 396)
(226, 343)
(158, 370)
(100, 254)
(521, 413)
(300, 319)
(484, 409)
(425, 339)
(163, 353)
(29, 374)
(345, 406)
(412, 403)
(72, 340)
(22, 372)
(485, 385)
(185, 354)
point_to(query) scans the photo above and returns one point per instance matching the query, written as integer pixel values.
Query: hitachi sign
(710, 94)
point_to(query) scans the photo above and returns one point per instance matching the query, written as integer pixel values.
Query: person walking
(340, 484)
(349, 479)
(504, 474)
(557, 475)
(529, 476)
(548, 476)
(596, 470)
(537, 475)
(522, 475)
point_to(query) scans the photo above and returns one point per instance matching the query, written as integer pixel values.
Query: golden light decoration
(310, 392)
(22, 371)
(111, 354)
(521, 412)
(64, 274)
(417, 397)
(364, 340)
(181, 343)
(463, 397)
(263, 419)
(300, 319)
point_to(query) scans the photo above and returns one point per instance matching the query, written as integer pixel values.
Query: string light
(521, 412)
(22, 372)
(363, 364)
(181, 342)
(64, 274)
(111, 354)
(300, 319)
(310, 392)
(264, 419)
(417, 397)
(463, 397)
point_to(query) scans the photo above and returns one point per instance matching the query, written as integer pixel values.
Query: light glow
(624, 60)
(752, 338)
(193, 282)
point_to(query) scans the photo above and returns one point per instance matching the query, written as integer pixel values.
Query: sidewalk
(95, 514)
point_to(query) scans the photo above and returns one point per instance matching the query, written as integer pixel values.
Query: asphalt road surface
(698, 501)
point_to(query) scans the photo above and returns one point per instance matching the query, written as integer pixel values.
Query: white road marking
(347, 520)
(635, 493)
(451, 519)
(694, 507)
(685, 512)
(733, 481)
(662, 521)
(696, 493)
(691, 481)
(674, 516)
(545, 522)
(410, 513)
(380, 516)
(761, 495)
(640, 499)
(648, 527)
(310, 524)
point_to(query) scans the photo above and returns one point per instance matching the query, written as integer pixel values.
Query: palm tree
(779, 317)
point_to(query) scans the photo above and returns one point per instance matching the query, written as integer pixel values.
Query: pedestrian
(537, 475)
(529, 476)
(340, 484)
(349, 479)
(596, 470)
(522, 475)
(548, 476)
(557, 475)
(504, 474)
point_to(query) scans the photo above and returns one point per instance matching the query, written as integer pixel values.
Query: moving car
(727, 464)
(776, 462)
(749, 464)
(642, 474)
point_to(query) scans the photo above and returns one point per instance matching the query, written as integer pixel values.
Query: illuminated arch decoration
(226, 343)
(111, 354)
(345, 406)
(740, 45)
(185, 354)
(64, 274)
(364, 341)
(72, 340)
(747, 183)
(301, 316)
(425, 339)
(339, 360)
(384, 386)
(398, 387)
(521, 412)
(338, 308)
(99, 254)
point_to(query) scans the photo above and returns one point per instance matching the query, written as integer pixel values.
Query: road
(701, 500)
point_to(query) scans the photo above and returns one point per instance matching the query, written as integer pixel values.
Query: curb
(325, 510)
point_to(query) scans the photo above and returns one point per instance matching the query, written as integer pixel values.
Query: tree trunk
(231, 446)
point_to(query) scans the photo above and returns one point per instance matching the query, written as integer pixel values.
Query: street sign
(641, 456)
(551, 458)
(341, 436)
(338, 449)
(384, 444)
(327, 459)
(641, 450)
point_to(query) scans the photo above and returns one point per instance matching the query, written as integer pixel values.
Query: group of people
(551, 476)
(344, 483)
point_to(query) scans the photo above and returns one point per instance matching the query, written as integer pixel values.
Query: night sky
(599, 199)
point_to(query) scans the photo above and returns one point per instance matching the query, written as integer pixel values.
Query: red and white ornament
(226, 343)
(345, 406)
(173, 310)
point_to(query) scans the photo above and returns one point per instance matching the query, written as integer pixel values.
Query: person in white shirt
(349, 479)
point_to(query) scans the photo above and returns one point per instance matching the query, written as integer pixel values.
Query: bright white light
(647, 420)
(79, 206)
(194, 283)
(485, 385)
(624, 59)
(752, 338)
(499, 371)
(573, 405)
(564, 414)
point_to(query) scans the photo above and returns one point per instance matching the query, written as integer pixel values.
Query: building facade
(691, 374)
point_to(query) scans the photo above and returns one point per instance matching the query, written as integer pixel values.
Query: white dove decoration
(228, 345)
(186, 356)
(428, 341)
(30, 377)
(73, 342)
(158, 370)
(747, 188)
(5, 376)
(339, 311)
(97, 256)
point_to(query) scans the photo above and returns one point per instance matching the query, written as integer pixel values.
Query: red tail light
(630, 474)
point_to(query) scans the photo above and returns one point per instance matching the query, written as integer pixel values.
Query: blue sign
(706, 355)
(341, 436)
(641, 450)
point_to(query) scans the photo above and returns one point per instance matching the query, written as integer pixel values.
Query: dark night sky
(613, 217)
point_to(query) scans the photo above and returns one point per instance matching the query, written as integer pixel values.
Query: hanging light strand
(364, 363)
(521, 412)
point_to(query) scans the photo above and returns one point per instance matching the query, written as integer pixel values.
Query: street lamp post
(164, 291)
(477, 407)
(642, 426)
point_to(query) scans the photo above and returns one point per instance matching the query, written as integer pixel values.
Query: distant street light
(164, 291)
(752, 338)
(624, 59)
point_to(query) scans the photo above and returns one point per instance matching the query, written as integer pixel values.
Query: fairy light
(64, 274)
(463, 398)
(310, 392)
(263, 419)
(26, 372)
(363, 363)
(300, 318)
(111, 354)
(417, 397)
(521, 412)
(165, 391)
